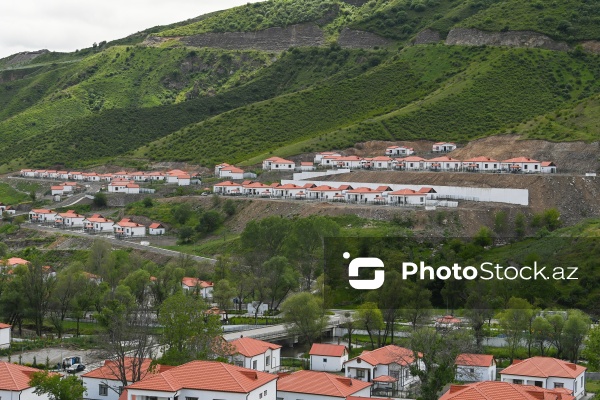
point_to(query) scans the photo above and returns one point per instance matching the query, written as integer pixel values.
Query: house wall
(479, 374)
(353, 366)
(333, 364)
(157, 231)
(4, 338)
(366, 392)
(92, 387)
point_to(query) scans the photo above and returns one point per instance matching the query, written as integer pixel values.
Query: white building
(14, 382)
(548, 167)
(70, 219)
(123, 186)
(127, 228)
(443, 147)
(324, 192)
(380, 162)
(204, 288)
(484, 164)
(98, 224)
(231, 172)
(319, 157)
(327, 357)
(412, 163)
(522, 164)
(228, 188)
(389, 363)
(278, 164)
(409, 197)
(57, 190)
(206, 380)
(256, 354)
(307, 166)
(104, 382)
(443, 163)
(157, 228)
(475, 367)
(367, 195)
(6, 209)
(314, 385)
(289, 190)
(5, 335)
(547, 373)
(399, 151)
(42, 215)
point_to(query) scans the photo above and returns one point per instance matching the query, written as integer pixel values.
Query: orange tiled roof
(216, 376)
(192, 282)
(15, 377)
(521, 160)
(155, 225)
(249, 347)
(320, 383)
(16, 261)
(324, 349)
(110, 368)
(406, 192)
(496, 390)
(475, 360)
(545, 367)
(387, 355)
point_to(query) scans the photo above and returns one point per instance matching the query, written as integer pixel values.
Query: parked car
(75, 368)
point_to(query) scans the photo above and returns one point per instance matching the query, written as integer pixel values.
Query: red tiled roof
(110, 369)
(406, 192)
(323, 188)
(127, 222)
(444, 159)
(481, 159)
(387, 355)
(545, 367)
(155, 225)
(228, 183)
(16, 261)
(474, 360)
(15, 377)
(385, 379)
(364, 190)
(496, 390)
(216, 376)
(324, 349)
(192, 282)
(320, 383)
(5, 326)
(520, 160)
(249, 347)
(413, 159)
(448, 319)
(548, 164)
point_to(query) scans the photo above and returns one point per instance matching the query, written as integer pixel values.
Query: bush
(100, 200)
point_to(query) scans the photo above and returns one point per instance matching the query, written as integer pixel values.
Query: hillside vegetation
(170, 102)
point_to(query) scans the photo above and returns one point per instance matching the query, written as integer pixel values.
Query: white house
(228, 188)
(548, 373)
(380, 162)
(256, 354)
(97, 224)
(548, 167)
(307, 166)
(319, 157)
(409, 196)
(352, 162)
(256, 189)
(477, 164)
(5, 334)
(443, 163)
(495, 390)
(157, 228)
(522, 164)
(76, 175)
(475, 367)
(367, 195)
(104, 382)
(231, 172)
(156, 176)
(63, 174)
(204, 288)
(14, 382)
(327, 357)
(324, 192)
(6, 209)
(91, 177)
(443, 147)
(287, 190)
(127, 228)
(57, 190)
(413, 163)
(69, 187)
(391, 364)
(70, 219)
(399, 151)
(206, 380)
(42, 215)
(315, 385)
(123, 186)
(278, 164)
(28, 173)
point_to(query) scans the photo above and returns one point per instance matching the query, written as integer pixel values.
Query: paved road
(119, 242)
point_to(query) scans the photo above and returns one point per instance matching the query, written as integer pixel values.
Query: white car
(75, 368)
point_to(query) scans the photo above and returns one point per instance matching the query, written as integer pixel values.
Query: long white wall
(495, 195)
(311, 175)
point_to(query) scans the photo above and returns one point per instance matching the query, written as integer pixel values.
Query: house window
(190, 398)
(558, 385)
(260, 395)
(538, 383)
(525, 166)
(485, 166)
(575, 387)
(254, 364)
(360, 373)
(273, 363)
(268, 361)
(472, 370)
(265, 393)
(103, 390)
(324, 360)
(518, 381)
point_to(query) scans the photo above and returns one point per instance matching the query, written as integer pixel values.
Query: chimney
(345, 381)
(536, 395)
(572, 366)
(456, 388)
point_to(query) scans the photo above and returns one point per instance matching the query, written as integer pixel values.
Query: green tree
(185, 234)
(38, 286)
(551, 218)
(147, 202)
(304, 316)
(592, 349)
(515, 323)
(575, 330)
(210, 221)
(100, 200)
(483, 237)
(542, 333)
(500, 221)
(3, 250)
(189, 332)
(182, 213)
(223, 295)
(229, 207)
(139, 285)
(57, 387)
(264, 239)
(369, 317)
(68, 282)
(520, 225)
(417, 308)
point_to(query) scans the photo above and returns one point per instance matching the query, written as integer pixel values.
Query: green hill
(140, 103)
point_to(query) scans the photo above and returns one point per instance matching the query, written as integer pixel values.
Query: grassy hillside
(405, 98)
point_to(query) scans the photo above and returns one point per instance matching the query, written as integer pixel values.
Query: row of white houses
(94, 224)
(175, 176)
(310, 191)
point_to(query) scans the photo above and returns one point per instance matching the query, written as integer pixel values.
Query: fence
(147, 191)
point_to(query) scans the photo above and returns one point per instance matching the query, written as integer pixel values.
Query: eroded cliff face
(353, 39)
(427, 36)
(475, 37)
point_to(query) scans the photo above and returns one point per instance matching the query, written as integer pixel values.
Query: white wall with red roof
(327, 357)
(5, 335)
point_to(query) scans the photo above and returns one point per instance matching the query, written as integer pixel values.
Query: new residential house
(443, 147)
(522, 164)
(104, 382)
(206, 380)
(278, 164)
(313, 385)
(256, 354)
(127, 228)
(547, 373)
(328, 357)
(390, 363)
(5, 335)
(489, 390)
(42, 215)
(70, 219)
(475, 367)
(399, 151)
(14, 382)
(98, 224)
(204, 288)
